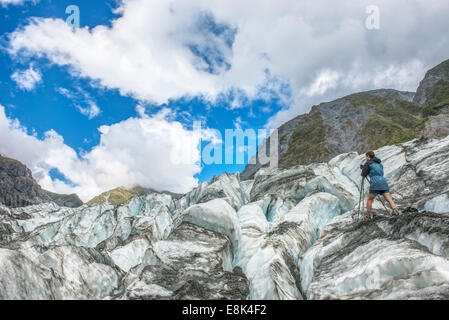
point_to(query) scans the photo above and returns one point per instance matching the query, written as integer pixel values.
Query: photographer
(379, 185)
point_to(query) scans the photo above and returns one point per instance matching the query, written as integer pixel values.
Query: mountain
(433, 89)
(289, 233)
(121, 195)
(294, 232)
(367, 120)
(18, 187)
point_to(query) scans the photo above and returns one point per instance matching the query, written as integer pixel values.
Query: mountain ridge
(365, 120)
(120, 195)
(19, 189)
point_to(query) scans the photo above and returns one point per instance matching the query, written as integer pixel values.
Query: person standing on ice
(379, 185)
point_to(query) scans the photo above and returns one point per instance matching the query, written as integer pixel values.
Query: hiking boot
(367, 216)
(395, 212)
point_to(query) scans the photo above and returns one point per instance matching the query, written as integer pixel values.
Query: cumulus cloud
(153, 52)
(27, 79)
(151, 151)
(324, 81)
(159, 49)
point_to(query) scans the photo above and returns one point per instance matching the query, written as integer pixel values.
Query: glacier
(288, 234)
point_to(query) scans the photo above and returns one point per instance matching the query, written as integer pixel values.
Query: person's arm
(365, 170)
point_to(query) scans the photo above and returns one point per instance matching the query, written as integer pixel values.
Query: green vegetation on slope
(71, 200)
(8, 161)
(437, 99)
(393, 120)
(387, 120)
(118, 196)
(379, 132)
(441, 70)
(307, 143)
(437, 96)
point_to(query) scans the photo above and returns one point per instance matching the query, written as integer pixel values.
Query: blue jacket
(375, 170)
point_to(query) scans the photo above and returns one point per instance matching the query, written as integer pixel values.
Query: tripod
(362, 196)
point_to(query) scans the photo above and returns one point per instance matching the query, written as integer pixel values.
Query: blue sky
(80, 94)
(45, 108)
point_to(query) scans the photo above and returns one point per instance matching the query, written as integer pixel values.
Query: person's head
(369, 155)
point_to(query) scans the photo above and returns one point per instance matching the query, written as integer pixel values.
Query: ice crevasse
(286, 234)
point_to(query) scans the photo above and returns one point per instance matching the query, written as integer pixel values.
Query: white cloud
(91, 111)
(321, 49)
(326, 80)
(79, 98)
(238, 122)
(66, 93)
(5, 3)
(135, 151)
(265, 109)
(143, 55)
(27, 79)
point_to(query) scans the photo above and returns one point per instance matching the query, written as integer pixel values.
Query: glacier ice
(130, 255)
(21, 278)
(439, 204)
(286, 234)
(216, 215)
(371, 264)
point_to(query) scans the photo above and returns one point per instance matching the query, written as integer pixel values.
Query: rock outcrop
(287, 234)
(434, 79)
(18, 187)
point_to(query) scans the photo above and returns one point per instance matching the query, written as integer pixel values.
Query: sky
(114, 101)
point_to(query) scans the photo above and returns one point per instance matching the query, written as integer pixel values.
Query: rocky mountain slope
(18, 187)
(289, 233)
(367, 120)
